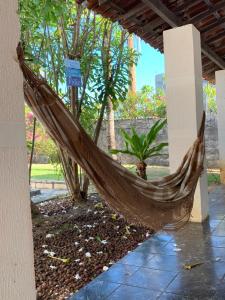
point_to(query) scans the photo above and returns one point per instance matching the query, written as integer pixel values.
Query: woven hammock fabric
(167, 202)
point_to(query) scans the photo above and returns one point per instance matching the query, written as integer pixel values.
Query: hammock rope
(166, 202)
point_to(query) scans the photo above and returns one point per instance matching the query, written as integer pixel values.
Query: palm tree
(142, 146)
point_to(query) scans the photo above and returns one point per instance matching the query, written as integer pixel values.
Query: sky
(151, 62)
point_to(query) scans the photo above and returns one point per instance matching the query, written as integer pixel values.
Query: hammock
(166, 202)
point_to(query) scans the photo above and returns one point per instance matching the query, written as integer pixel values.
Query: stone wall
(142, 125)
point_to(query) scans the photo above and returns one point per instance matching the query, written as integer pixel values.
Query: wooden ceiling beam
(135, 10)
(216, 37)
(213, 25)
(203, 15)
(162, 11)
(168, 16)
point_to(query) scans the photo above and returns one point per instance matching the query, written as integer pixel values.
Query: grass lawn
(49, 172)
(45, 172)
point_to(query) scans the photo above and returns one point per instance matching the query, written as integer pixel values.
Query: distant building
(160, 82)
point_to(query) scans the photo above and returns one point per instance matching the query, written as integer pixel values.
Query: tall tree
(53, 31)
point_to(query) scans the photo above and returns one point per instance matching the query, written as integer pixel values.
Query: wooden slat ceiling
(149, 18)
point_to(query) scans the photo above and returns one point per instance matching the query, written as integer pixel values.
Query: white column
(184, 97)
(220, 99)
(16, 246)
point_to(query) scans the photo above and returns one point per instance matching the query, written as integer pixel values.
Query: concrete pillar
(16, 246)
(184, 98)
(220, 99)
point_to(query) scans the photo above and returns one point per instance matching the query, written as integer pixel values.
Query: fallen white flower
(44, 246)
(177, 249)
(88, 254)
(105, 268)
(53, 267)
(147, 234)
(104, 242)
(77, 260)
(99, 252)
(80, 250)
(51, 253)
(76, 243)
(77, 277)
(49, 235)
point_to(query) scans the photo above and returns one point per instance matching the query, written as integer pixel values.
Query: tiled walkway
(155, 270)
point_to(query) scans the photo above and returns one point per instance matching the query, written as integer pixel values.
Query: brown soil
(84, 240)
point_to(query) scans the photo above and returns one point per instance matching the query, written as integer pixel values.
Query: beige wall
(16, 248)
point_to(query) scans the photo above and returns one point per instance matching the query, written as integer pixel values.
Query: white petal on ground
(49, 235)
(77, 260)
(105, 268)
(80, 250)
(177, 249)
(77, 276)
(88, 254)
(53, 267)
(104, 242)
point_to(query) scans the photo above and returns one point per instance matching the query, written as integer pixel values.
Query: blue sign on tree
(73, 73)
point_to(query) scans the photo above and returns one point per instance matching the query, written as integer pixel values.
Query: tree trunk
(96, 136)
(141, 169)
(70, 168)
(132, 68)
(111, 128)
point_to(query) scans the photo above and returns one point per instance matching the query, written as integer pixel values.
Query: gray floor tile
(169, 296)
(133, 293)
(171, 263)
(216, 241)
(96, 290)
(139, 259)
(151, 279)
(220, 229)
(198, 280)
(118, 273)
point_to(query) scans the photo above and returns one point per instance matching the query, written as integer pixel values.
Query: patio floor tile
(139, 259)
(151, 279)
(96, 290)
(169, 296)
(217, 241)
(118, 273)
(165, 263)
(133, 293)
(201, 280)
